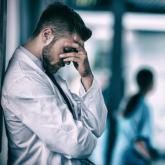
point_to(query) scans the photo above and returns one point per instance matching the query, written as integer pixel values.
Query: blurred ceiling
(147, 6)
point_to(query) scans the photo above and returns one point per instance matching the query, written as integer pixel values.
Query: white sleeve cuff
(91, 91)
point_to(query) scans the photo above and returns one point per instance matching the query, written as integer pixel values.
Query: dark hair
(62, 19)
(131, 105)
(144, 80)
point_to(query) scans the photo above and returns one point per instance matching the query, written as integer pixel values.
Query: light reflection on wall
(12, 38)
(13, 23)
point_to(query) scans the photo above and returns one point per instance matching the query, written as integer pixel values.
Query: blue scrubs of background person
(133, 122)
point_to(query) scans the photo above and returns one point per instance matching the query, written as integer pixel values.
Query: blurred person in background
(46, 123)
(134, 133)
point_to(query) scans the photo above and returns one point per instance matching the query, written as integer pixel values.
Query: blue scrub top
(129, 128)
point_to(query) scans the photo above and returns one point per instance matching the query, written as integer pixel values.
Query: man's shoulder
(20, 70)
(24, 85)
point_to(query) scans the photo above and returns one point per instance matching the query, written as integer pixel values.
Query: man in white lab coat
(46, 123)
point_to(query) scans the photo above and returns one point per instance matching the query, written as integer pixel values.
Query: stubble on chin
(53, 68)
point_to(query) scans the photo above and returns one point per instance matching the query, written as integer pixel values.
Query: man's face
(51, 53)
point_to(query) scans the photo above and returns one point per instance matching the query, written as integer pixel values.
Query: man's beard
(47, 61)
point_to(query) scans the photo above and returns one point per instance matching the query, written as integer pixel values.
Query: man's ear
(47, 35)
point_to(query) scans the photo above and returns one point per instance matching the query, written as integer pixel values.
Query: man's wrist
(87, 81)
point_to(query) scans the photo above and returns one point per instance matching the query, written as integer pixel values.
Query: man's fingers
(65, 55)
(71, 59)
(78, 46)
(73, 54)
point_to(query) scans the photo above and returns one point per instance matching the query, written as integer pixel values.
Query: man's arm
(87, 81)
(80, 61)
(93, 109)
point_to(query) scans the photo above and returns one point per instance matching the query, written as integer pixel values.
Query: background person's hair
(144, 80)
(62, 19)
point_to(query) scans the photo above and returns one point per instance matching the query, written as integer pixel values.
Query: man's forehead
(74, 38)
(77, 39)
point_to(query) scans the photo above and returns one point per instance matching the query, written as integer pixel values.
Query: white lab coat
(41, 129)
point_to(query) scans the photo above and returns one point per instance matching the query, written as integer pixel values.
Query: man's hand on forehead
(71, 45)
(74, 41)
(79, 46)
